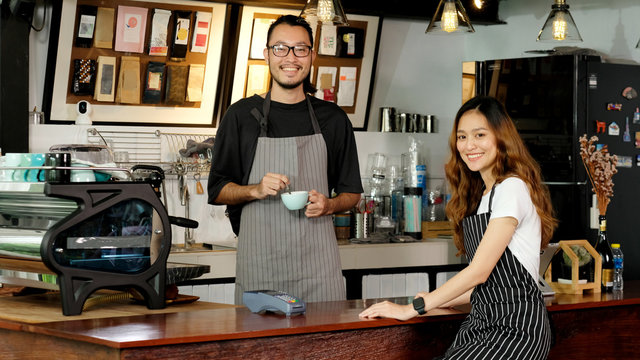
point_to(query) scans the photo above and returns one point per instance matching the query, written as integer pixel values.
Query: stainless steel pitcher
(387, 116)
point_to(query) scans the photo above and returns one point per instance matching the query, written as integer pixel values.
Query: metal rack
(160, 149)
(153, 147)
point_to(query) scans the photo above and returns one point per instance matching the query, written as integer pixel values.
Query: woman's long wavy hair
(512, 159)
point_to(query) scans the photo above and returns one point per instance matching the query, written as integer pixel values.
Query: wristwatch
(418, 305)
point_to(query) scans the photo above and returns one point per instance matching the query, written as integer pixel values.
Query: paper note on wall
(106, 79)
(326, 81)
(347, 86)
(259, 37)
(327, 40)
(130, 29)
(201, 32)
(195, 82)
(128, 90)
(257, 79)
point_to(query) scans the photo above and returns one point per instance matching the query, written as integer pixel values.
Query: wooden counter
(587, 327)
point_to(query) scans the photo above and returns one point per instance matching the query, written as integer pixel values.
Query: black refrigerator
(553, 100)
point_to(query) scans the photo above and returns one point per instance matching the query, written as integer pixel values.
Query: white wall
(416, 73)
(421, 73)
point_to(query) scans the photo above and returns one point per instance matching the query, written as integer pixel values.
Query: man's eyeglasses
(282, 50)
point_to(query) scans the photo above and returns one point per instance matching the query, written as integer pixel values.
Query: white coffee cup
(295, 200)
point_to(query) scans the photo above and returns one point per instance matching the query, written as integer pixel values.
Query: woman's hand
(387, 309)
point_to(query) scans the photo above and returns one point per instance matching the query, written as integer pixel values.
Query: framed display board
(351, 75)
(201, 58)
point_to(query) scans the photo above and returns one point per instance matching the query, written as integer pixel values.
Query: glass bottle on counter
(396, 192)
(604, 249)
(618, 267)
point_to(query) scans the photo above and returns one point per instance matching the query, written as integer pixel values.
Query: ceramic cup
(10, 160)
(4, 174)
(82, 175)
(58, 159)
(34, 175)
(295, 200)
(21, 174)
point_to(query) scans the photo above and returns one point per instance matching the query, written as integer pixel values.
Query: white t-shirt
(511, 199)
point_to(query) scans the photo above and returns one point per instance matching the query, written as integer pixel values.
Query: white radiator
(218, 293)
(373, 287)
(398, 285)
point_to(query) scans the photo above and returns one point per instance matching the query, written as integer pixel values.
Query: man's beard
(289, 86)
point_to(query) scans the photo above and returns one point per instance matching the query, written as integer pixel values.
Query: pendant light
(559, 25)
(324, 11)
(450, 17)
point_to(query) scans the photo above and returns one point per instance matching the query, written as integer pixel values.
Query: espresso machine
(82, 237)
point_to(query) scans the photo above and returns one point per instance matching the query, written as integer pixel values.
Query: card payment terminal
(275, 301)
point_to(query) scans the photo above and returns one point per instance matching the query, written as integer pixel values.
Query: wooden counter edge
(346, 321)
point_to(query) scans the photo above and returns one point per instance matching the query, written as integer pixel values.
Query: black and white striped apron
(508, 318)
(280, 249)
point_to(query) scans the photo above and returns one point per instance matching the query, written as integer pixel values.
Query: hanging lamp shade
(450, 17)
(559, 25)
(324, 11)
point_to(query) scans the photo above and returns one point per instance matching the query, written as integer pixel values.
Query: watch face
(418, 305)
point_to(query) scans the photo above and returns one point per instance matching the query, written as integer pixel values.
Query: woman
(501, 215)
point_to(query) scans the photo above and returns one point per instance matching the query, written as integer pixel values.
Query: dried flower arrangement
(600, 166)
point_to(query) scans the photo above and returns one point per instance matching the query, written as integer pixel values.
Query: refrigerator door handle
(567, 183)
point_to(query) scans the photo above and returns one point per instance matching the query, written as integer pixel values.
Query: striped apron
(508, 318)
(280, 249)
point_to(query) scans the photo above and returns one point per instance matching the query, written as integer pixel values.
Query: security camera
(83, 108)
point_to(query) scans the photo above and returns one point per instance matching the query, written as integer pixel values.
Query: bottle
(377, 191)
(412, 213)
(396, 192)
(604, 249)
(618, 267)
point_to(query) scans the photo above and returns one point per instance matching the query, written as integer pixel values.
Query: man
(285, 137)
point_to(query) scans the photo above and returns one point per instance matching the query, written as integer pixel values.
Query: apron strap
(312, 115)
(263, 124)
(264, 117)
(493, 188)
(490, 199)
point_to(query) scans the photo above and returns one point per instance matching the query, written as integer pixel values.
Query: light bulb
(559, 29)
(449, 22)
(325, 11)
(478, 3)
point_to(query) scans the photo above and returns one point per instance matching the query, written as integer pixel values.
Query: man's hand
(270, 185)
(319, 205)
